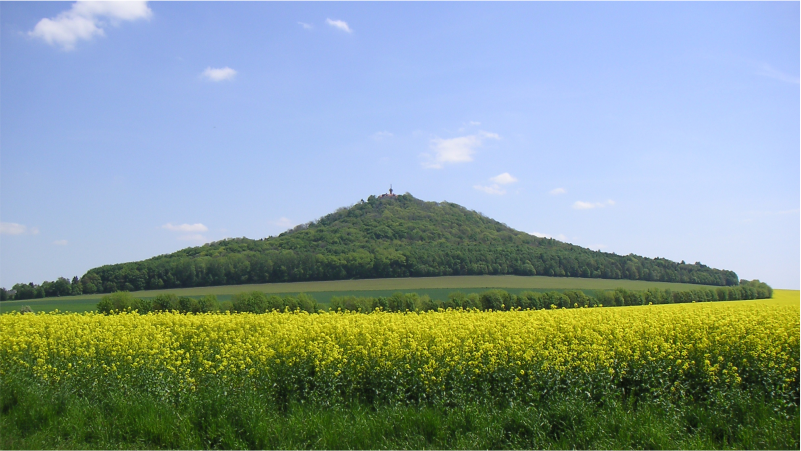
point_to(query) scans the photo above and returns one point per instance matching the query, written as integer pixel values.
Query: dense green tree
(24, 291)
(253, 301)
(165, 302)
(76, 287)
(120, 301)
(91, 282)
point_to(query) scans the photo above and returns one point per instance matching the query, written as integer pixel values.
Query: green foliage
(167, 302)
(119, 301)
(529, 300)
(258, 302)
(208, 304)
(253, 302)
(142, 305)
(496, 299)
(386, 238)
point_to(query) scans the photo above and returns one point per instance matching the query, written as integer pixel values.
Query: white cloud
(455, 150)
(504, 179)
(60, 242)
(557, 191)
(474, 123)
(579, 205)
(12, 228)
(500, 179)
(85, 20)
(219, 74)
(559, 237)
(305, 25)
(766, 70)
(342, 25)
(283, 222)
(185, 227)
(378, 136)
(492, 189)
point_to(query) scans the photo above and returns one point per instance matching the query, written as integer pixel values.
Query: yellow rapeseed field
(666, 350)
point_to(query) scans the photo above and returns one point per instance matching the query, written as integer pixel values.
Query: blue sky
(659, 129)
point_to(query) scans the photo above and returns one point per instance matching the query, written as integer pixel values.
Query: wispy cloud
(339, 24)
(766, 70)
(557, 191)
(60, 242)
(492, 189)
(455, 150)
(306, 26)
(579, 205)
(495, 188)
(185, 227)
(283, 222)
(503, 179)
(219, 74)
(12, 228)
(85, 20)
(380, 136)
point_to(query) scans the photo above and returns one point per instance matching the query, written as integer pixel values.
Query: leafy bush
(208, 304)
(253, 302)
(119, 301)
(165, 302)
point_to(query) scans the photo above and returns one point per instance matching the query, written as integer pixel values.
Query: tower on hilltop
(390, 194)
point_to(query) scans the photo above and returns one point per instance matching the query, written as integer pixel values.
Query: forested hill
(389, 237)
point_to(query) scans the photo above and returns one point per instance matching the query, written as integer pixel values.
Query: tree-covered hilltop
(388, 237)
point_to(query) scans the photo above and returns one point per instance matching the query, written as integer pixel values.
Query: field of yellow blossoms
(666, 351)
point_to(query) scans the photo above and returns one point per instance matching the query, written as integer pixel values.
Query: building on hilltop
(390, 194)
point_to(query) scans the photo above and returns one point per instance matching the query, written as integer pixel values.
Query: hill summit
(390, 236)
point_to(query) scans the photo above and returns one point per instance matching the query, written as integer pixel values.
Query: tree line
(60, 287)
(496, 300)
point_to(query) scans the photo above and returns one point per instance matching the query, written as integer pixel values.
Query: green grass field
(435, 287)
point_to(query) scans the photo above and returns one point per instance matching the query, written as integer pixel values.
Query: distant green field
(435, 287)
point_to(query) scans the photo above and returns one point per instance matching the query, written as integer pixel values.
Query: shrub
(188, 305)
(118, 301)
(254, 302)
(165, 302)
(208, 304)
(142, 306)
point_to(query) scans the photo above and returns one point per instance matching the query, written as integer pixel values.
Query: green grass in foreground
(435, 287)
(36, 416)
